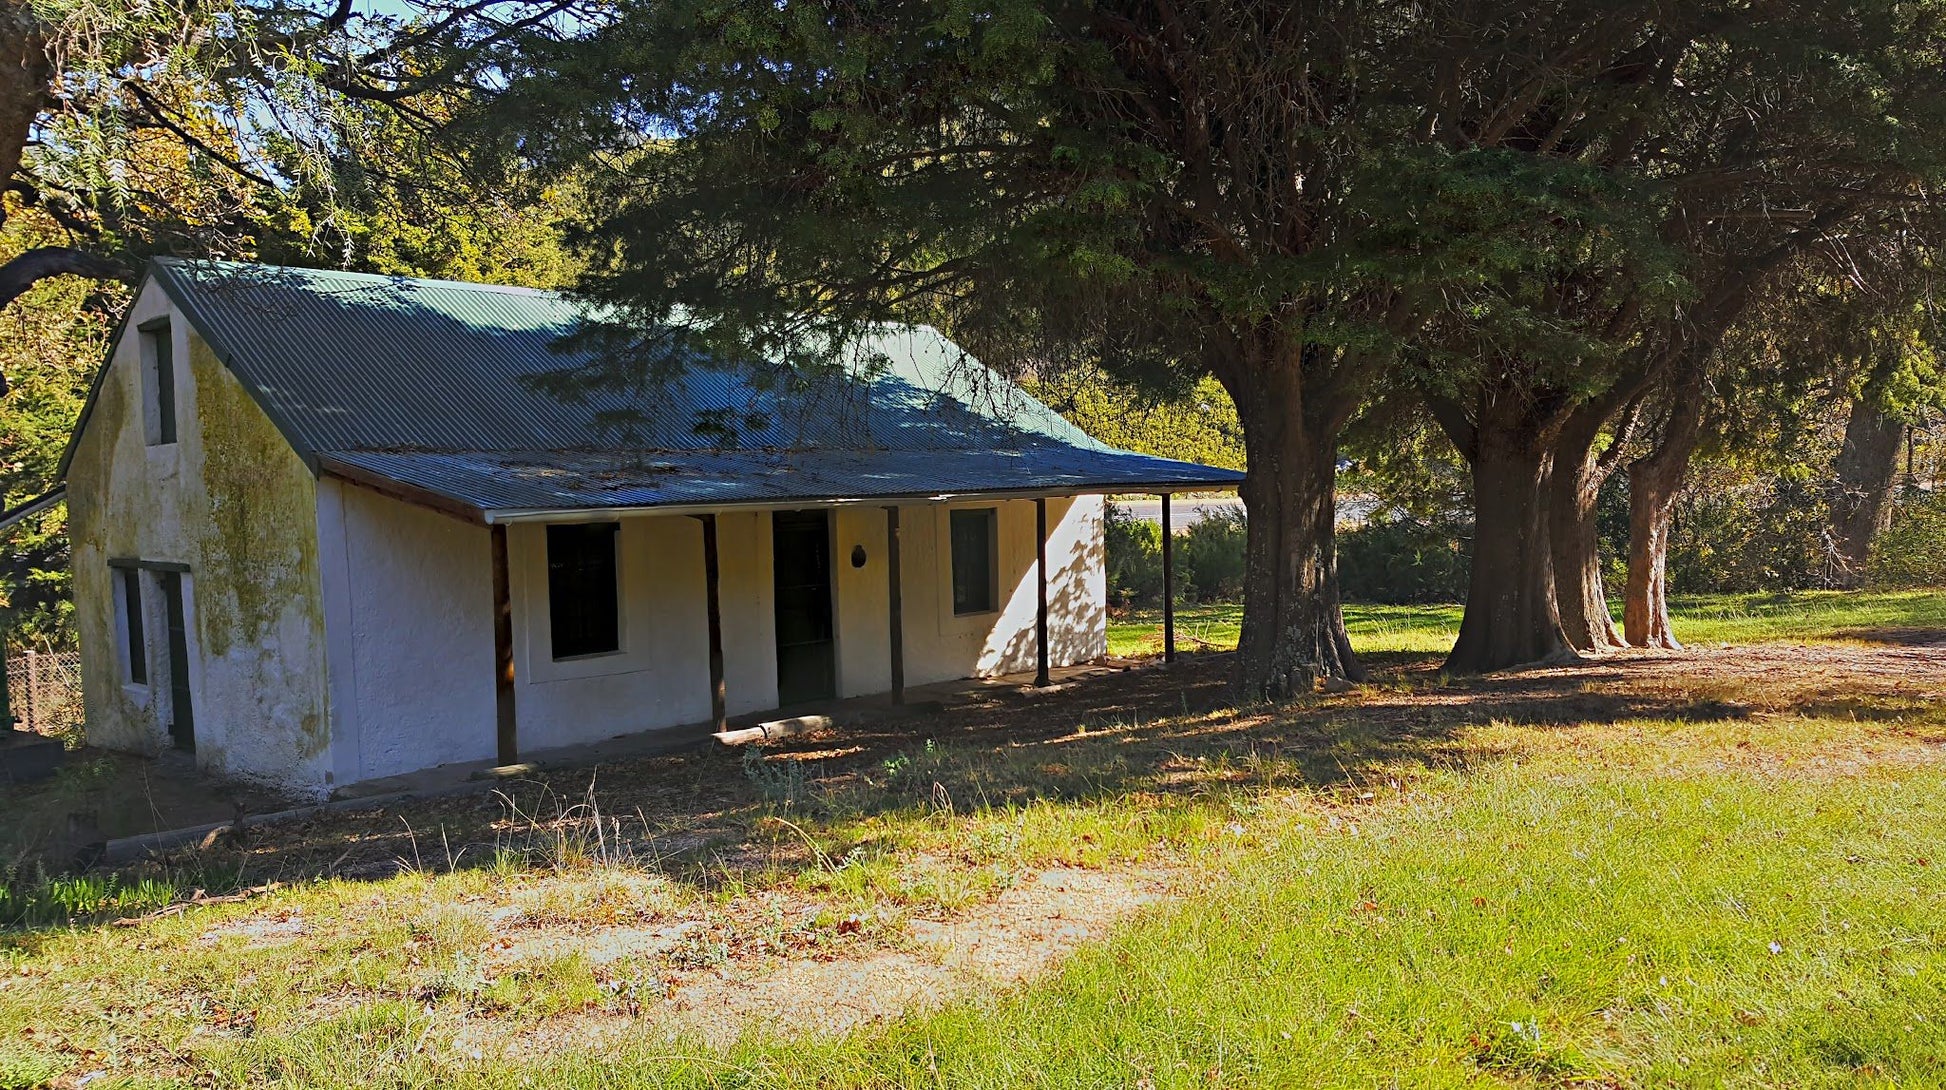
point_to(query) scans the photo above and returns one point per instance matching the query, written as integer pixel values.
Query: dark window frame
(582, 623)
(135, 645)
(158, 346)
(964, 572)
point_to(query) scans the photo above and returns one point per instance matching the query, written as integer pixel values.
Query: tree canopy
(1536, 215)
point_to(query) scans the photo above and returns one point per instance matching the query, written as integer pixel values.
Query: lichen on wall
(100, 522)
(259, 607)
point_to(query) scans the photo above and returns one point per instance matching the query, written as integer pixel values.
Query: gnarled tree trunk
(1512, 616)
(1653, 481)
(1293, 629)
(1861, 494)
(1580, 469)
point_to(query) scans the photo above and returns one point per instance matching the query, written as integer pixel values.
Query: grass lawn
(1431, 629)
(1718, 869)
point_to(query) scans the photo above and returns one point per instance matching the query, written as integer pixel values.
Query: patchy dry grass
(1721, 868)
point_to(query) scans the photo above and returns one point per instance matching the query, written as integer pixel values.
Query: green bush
(1738, 540)
(1400, 560)
(1134, 559)
(1912, 551)
(1209, 557)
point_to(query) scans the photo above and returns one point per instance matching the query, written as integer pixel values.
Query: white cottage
(332, 527)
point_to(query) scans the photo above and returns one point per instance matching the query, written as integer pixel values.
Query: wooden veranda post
(895, 619)
(506, 729)
(1040, 579)
(712, 581)
(1168, 584)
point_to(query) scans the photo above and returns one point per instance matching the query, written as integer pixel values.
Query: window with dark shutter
(584, 611)
(975, 575)
(137, 648)
(159, 382)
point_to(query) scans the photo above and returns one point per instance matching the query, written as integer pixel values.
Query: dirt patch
(270, 929)
(1019, 935)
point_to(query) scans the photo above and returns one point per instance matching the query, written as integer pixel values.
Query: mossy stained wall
(235, 504)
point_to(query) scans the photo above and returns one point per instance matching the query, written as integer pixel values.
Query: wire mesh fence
(45, 690)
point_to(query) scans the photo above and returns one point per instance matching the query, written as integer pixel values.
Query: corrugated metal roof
(457, 389)
(516, 482)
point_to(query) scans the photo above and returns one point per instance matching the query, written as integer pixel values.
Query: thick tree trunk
(1574, 486)
(1511, 616)
(1293, 629)
(25, 73)
(1645, 607)
(1653, 481)
(1861, 495)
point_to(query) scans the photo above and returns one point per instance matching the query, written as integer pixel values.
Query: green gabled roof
(454, 388)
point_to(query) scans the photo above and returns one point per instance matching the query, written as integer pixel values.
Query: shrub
(1400, 560)
(1771, 535)
(1912, 551)
(1134, 559)
(1209, 557)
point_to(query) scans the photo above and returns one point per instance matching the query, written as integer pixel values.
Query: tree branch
(42, 262)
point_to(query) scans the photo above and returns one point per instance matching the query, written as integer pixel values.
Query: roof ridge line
(173, 262)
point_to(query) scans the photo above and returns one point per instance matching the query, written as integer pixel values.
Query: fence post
(33, 690)
(6, 688)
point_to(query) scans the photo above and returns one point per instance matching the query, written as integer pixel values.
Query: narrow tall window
(584, 614)
(159, 382)
(975, 540)
(136, 649)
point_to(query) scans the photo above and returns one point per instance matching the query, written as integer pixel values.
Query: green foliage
(32, 897)
(1397, 559)
(1767, 534)
(1210, 557)
(1200, 426)
(54, 339)
(1132, 549)
(778, 780)
(1912, 551)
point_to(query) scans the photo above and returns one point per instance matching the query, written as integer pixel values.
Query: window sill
(592, 656)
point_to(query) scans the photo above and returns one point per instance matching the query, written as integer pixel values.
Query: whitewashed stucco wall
(409, 613)
(231, 502)
(940, 646)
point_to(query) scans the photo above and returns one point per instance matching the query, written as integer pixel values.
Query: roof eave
(508, 515)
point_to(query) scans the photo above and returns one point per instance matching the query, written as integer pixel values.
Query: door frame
(160, 655)
(173, 589)
(826, 515)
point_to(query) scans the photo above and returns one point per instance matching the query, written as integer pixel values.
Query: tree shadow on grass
(1167, 735)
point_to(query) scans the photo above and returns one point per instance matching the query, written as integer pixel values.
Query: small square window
(583, 602)
(158, 383)
(976, 587)
(135, 646)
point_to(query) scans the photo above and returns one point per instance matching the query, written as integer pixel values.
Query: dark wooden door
(806, 645)
(182, 713)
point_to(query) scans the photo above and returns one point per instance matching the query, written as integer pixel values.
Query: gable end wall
(232, 502)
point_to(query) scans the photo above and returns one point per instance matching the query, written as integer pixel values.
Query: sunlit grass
(1805, 615)
(1214, 626)
(1443, 901)
(1642, 903)
(1430, 629)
